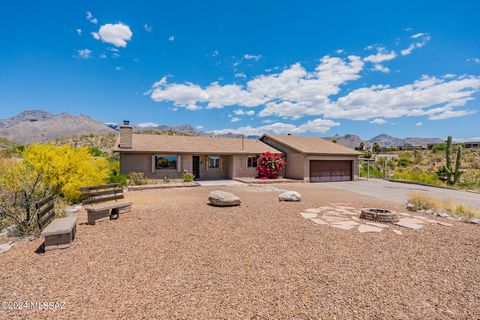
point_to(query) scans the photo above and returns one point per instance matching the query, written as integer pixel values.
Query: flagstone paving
(344, 217)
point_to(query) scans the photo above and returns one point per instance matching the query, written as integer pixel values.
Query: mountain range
(41, 126)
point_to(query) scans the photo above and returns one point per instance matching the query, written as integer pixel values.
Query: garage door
(330, 170)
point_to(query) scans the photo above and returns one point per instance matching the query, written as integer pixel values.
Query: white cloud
(117, 34)
(381, 56)
(378, 121)
(147, 28)
(79, 31)
(317, 126)
(199, 127)
(476, 60)
(424, 39)
(147, 124)
(450, 114)
(418, 35)
(171, 38)
(240, 75)
(252, 57)
(339, 51)
(241, 112)
(419, 124)
(119, 68)
(215, 53)
(379, 67)
(235, 119)
(84, 53)
(89, 16)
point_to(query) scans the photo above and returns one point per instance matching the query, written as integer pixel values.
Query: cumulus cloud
(450, 114)
(381, 56)
(117, 34)
(171, 38)
(89, 16)
(419, 124)
(147, 27)
(381, 68)
(235, 119)
(418, 35)
(240, 75)
(378, 121)
(252, 57)
(147, 124)
(423, 39)
(84, 53)
(316, 126)
(241, 112)
(79, 31)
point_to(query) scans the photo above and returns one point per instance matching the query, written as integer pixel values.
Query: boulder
(223, 199)
(475, 220)
(5, 247)
(290, 196)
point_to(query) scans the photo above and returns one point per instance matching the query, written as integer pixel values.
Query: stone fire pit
(380, 215)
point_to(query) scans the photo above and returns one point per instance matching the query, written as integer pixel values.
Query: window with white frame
(252, 161)
(214, 162)
(163, 162)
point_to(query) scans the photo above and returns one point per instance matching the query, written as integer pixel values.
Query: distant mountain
(384, 140)
(40, 126)
(26, 116)
(349, 140)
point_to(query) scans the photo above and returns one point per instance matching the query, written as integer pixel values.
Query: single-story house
(209, 158)
(315, 159)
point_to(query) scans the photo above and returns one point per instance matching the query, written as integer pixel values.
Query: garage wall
(306, 171)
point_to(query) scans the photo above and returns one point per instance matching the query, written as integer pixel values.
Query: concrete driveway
(398, 192)
(219, 183)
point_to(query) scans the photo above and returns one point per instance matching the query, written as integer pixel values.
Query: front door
(196, 166)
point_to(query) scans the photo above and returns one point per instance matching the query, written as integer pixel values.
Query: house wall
(240, 169)
(295, 161)
(143, 162)
(214, 173)
(312, 157)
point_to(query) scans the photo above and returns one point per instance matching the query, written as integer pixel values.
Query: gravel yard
(174, 256)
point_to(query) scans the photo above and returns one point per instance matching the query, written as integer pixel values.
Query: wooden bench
(102, 201)
(58, 233)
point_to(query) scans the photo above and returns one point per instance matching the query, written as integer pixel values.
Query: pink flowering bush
(270, 165)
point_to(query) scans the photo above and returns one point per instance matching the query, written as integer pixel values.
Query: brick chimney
(125, 135)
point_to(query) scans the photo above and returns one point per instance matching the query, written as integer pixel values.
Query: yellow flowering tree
(65, 169)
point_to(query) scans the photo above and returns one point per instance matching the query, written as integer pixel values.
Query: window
(214, 162)
(252, 162)
(165, 162)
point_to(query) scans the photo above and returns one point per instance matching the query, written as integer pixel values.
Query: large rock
(223, 199)
(290, 196)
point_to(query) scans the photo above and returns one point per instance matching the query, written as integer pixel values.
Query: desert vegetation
(421, 201)
(444, 165)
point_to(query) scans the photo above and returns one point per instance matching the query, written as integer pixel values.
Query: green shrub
(114, 176)
(166, 179)
(439, 147)
(187, 176)
(136, 179)
(94, 151)
(404, 162)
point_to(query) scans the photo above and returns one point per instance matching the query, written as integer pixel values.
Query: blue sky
(313, 68)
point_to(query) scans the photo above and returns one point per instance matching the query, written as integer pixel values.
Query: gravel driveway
(175, 257)
(398, 192)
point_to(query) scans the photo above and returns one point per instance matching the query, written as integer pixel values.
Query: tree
(362, 146)
(65, 169)
(270, 165)
(21, 187)
(376, 147)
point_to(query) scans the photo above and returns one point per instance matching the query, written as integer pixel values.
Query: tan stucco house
(209, 158)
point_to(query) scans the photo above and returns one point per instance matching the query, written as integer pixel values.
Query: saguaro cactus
(448, 174)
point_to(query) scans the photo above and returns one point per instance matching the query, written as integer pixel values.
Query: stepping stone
(413, 220)
(326, 208)
(410, 225)
(444, 224)
(319, 221)
(334, 219)
(334, 213)
(308, 215)
(366, 228)
(397, 232)
(376, 224)
(346, 223)
(345, 207)
(339, 226)
(313, 210)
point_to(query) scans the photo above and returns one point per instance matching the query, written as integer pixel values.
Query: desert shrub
(114, 175)
(270, 165)
(65, 169)
(21, 186)
(404, 161)
(166, 179)
(136, 179)
(374, 171)
(187, 176)
(421, 201)
(94, 151)
(439, 147)
(418, 176)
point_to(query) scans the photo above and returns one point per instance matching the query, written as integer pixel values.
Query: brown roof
(197, 144)
(311, 145)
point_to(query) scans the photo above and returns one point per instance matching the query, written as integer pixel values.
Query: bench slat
(45, 210)
(44, 201)
(108, 206)
(101, 193)
(104, 186)
(103, 199)
(45, 220)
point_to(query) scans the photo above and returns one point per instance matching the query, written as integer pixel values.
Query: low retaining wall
(163, 186)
